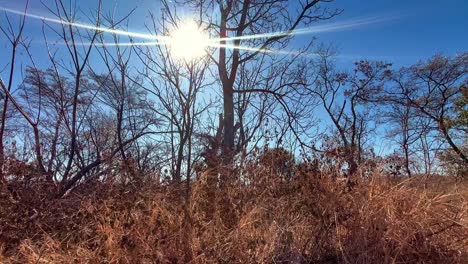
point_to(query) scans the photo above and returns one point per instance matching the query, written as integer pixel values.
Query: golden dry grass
(309, 218)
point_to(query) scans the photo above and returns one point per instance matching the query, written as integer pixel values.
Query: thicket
(275, 211)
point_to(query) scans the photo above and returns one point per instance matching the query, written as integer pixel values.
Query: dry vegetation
(114, 149)
(305, 218)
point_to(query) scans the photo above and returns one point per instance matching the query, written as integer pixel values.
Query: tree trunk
(228, 94)
(352, 166)
(406, 150)
(228, 123)
(351, 160)
(452, 144)
(2, 133)
(37, 149)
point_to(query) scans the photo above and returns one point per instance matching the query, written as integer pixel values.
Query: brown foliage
(310, 218)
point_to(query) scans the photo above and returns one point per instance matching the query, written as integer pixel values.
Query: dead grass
(306, 218)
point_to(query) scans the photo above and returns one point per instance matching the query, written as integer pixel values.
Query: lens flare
(314, 29)
(189, 42)
(86, 26)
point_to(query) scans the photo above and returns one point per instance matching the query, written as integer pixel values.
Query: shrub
(310, 218)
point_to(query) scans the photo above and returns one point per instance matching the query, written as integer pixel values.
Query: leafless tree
(429, 88)
(177, 86)
(343, 97)
(404, 130)
(237, 19)
(15, 40)
(118, 91)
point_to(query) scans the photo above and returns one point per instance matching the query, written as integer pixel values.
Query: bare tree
(430, 89)
(404, 130)
(72, 100)
(15, 39)
(236, 20)
(343, 97)
(176, 86)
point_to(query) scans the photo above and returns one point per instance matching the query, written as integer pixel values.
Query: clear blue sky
(420, 28)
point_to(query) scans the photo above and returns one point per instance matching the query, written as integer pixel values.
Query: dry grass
(308, 218)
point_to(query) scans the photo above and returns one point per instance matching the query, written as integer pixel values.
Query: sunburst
(187, 41)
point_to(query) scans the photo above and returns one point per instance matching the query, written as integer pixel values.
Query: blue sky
(420, 28)
(404, 33)
(411, 30)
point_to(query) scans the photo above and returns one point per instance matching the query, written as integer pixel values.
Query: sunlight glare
(188, 42)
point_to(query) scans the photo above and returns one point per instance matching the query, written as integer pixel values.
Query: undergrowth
(259, 216)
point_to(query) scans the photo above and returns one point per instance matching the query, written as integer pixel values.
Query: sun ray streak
(272, 51)
(313, 29)
(227, 46)
(85, 26)
(113, 44)
(212, 42)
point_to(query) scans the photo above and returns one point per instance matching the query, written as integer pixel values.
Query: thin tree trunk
(452, 144)
(53, 151)
(5, 106)
(407, 167)
(37, 149)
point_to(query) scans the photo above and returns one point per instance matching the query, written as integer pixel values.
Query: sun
(188, 41)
